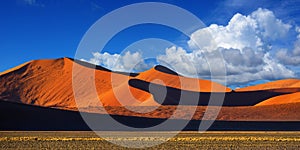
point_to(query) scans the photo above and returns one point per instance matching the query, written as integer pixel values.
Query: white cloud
(268, 25)
(288, 58)
(253, 31)
(245, 44)
(241, 66)
(127, 62)
(291, 57)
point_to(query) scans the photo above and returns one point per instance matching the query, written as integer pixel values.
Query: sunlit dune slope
(40, 82)
(282, 99)
(125, 95)
(279, 84)
(49, 83)
(162, 75)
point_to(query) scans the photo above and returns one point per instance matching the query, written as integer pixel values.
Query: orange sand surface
(48, 83)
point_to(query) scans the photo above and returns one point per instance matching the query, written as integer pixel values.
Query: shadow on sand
(173, 95)
(16, 116)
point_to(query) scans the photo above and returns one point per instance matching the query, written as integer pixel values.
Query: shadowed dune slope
(173, 96)
(26, 117)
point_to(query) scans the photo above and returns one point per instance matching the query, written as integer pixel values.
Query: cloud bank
(248, 44)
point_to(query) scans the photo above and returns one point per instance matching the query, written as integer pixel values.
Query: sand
(48, 83)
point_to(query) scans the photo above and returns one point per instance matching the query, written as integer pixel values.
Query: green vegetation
(187, 140)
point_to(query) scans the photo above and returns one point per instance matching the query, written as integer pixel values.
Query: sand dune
(48, 83)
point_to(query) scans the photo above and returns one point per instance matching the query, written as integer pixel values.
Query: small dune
(282, 99)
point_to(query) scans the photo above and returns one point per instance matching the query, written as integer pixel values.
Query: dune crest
(170, 78)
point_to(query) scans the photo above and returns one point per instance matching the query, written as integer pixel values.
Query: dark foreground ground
(184, 140)
(20, 117)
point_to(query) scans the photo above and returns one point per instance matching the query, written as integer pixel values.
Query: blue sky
(33, 29)
(39, 29)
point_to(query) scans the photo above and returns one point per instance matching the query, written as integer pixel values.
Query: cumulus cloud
(239, 66)
(291, 57)
(127, 62)
(246, 47)
(253, 31)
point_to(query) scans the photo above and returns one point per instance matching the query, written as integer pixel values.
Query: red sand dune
(48, 83)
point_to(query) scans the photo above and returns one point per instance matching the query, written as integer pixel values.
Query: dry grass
(184, 140)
